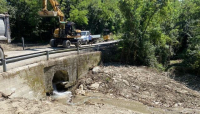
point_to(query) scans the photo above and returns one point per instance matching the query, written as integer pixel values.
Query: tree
(191, 32)
(3, 6)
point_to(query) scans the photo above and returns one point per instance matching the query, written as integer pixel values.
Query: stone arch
(56, 75)
(60, 79)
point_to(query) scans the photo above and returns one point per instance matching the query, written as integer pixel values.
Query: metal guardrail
(4, 61)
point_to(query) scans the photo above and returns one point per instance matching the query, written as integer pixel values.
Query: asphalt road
(25, 62)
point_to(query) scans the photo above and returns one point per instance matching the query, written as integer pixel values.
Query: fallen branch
(2, 95)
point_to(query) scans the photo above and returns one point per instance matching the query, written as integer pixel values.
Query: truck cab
(5, 28)
(85, 37)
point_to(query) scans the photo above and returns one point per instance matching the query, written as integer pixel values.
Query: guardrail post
(47, 55)
(23, 43)
(4, 65)
(77, 47)
(97, 47)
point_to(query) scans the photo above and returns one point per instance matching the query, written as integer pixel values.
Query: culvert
(60, 84)
(60, 79)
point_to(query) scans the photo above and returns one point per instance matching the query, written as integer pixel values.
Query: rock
(177, 104)
(96, 70)
(81, 87)
(69, 84)
(126, 82)
(64, 83)
(88, 81)
(157, 103)
(94, 86)
(126, 93)
(89, 103)
(106, 71)
(135, 88)
(80, 91)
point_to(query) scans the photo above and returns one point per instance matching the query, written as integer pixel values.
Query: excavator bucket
(48, 13)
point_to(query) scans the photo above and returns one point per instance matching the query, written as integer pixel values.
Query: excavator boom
(66, 34)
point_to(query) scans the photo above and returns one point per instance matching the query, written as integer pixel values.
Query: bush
(192, 60)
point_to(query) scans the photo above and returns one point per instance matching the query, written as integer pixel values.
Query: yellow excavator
(106, 35)
(66, 34)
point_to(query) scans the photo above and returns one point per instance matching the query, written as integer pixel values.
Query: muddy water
(135, 106)
(122, 103)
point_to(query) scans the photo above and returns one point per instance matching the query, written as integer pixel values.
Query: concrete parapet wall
(35, 80)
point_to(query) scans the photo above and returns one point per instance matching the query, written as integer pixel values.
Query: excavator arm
(65, 29)
(56, 12)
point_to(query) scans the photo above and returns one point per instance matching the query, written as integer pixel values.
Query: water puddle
(129, 104)
(67, 98)
(122, 103)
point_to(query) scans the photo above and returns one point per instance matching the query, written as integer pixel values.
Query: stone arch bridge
(36, 80)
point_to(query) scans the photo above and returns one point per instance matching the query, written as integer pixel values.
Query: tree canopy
(154, 31)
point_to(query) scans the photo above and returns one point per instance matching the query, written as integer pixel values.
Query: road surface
(40, 58)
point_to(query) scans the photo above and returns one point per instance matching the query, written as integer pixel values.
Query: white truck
(4, 28)
(86, 37)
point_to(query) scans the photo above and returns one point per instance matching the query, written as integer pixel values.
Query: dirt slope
(142, 84)
(132, 83)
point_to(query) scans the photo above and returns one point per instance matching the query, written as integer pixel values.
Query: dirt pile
(115, 90)
(140, 84)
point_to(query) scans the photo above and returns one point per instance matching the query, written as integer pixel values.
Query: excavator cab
(67, 30)
(70, 29)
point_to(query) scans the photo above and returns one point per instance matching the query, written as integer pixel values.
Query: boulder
(80, 91)
(96, 70)
(126, 82)
(94, 86)
(88, 81)
(69, 84)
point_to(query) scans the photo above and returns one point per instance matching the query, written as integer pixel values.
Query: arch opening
(60, 79)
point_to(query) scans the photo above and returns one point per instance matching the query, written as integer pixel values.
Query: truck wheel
(53, 43)
(79, 43)
(66, 44)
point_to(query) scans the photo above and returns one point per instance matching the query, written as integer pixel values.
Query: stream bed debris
(114, 89)
(141, 84)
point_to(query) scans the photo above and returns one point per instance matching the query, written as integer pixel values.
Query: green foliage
(190, 32)
(93, 15)
(3, 6)
(153, 31)
(192, 56)
(144, 38)
(79, 16)
(25, 21)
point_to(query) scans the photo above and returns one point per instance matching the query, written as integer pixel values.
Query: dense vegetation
(154, 31)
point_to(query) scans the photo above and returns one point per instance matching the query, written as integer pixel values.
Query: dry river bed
(115, 89)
